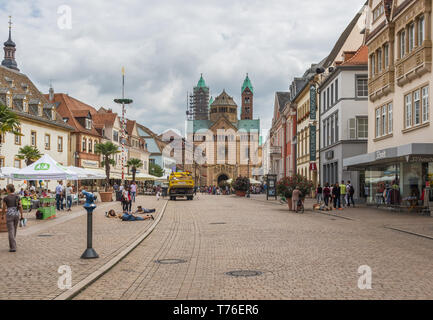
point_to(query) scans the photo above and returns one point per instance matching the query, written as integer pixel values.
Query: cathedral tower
(247, 99)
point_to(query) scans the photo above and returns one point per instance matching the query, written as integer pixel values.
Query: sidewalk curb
(80, 286)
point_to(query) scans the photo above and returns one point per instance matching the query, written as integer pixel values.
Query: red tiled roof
(359, 58)
(72, 108)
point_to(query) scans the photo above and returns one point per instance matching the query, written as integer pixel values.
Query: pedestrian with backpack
(350, 193)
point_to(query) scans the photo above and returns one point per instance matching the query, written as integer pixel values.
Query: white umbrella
(143, 177)
(87, 174)
(6, 172)
(46, 168)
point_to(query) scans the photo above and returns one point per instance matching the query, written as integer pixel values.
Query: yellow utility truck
(181, 184)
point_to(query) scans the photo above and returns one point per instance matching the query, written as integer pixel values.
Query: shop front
(399, 176)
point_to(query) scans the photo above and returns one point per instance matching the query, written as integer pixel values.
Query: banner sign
(313, 102)
(312, 143)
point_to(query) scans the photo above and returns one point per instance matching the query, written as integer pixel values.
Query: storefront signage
(271, 182)
(421, 159)
(312, 143)
(313, 104)
(380, 155)
(42, 167)
(90, 163)
(313, 166)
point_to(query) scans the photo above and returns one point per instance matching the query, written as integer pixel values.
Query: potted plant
(107, 150)
(241, 186)
(285, 189)
(286, 185)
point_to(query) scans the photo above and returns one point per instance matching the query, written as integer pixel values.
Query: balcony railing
(275, 152)
(381, 85)
(414, 65)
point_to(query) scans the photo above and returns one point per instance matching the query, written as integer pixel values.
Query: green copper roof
(201, 83)
(247, 84)
(211, 101)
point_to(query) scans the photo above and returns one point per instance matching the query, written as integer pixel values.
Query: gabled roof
(71, 109)
(341, 40)
(282, 99)
(106, 118)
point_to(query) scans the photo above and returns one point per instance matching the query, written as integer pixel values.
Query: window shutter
(352, 128)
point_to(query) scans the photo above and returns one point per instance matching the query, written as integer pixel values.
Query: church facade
(224, 146)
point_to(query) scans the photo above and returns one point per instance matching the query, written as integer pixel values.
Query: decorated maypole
(123, 102)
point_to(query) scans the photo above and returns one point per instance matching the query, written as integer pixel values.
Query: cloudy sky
(166, 44)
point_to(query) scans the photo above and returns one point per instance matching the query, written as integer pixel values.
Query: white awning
(46, 168)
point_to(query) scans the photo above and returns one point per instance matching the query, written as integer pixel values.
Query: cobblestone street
(298, 256)
(44, 246)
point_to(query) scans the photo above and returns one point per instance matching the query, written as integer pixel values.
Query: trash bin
(118, 195)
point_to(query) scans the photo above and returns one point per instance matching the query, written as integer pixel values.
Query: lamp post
(123, 101)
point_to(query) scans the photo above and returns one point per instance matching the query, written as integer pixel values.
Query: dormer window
(88, 124)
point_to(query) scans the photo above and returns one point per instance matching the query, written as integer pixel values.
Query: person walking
(68, 194)
(336, 196)
(59, 196)
(296, 196)
(133, 190)
(351, 192)
(343, 195)
(326, 194)
(319, 194)
(126, 200)
(14, 212)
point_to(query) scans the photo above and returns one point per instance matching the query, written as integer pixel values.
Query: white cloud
(165, 45)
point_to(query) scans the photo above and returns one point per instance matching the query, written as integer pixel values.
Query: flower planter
(241, 193)
(106, 196)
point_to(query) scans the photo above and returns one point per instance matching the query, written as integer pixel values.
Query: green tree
(107, 150)
(133, 164)
(9, 122)
(29, 154)
(155, 170)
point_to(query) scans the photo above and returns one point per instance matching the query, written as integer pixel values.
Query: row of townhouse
(363, 113)
(64, 127)
(399, 160)
(322, 118)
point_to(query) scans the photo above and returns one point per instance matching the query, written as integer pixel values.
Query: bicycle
(300, 206)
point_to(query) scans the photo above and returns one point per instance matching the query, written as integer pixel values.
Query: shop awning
(413, 152)
(143, 177)
(87, 174)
